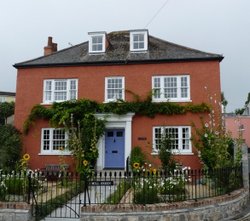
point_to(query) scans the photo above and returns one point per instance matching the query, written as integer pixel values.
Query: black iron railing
(48, 191)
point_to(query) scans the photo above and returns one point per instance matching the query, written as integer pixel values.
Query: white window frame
(52, 90)
(50, 151)
(106, 89)
(179, 97)
(93, 35)
(145, 40)
(180, 150)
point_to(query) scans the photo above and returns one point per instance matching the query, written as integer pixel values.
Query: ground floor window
(179, 136)
(54, 140)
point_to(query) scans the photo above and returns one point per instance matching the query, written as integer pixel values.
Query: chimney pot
(51, 47)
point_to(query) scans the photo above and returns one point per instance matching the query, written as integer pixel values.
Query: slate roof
(5, 93)
(118, 53)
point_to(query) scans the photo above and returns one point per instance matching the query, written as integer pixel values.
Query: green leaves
(10, 147)
(60, 113)
(6, 110)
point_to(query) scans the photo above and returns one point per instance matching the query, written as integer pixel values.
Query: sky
(217, 26)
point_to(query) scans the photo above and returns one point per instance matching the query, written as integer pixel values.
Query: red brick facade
(91, 85)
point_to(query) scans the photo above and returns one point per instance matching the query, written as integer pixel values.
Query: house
(238, 126)
(105, 68)
(7, 96)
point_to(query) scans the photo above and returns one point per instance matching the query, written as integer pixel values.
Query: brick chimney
(50, 48)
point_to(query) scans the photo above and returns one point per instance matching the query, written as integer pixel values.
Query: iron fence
(49, 191)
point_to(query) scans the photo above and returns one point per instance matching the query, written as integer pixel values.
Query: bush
(165, 154)
(137, 157)
(146, 191)
(10, 148)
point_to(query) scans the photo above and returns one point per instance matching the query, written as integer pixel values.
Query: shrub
(146, 190)
(10, 147)
(165, 154)
(137, 158)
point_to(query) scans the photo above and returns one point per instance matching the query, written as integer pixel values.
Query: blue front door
(114, 148)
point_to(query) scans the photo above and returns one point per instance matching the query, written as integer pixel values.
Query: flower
(154, 171)
(85, 163)
(26, 157)
(206, 125)
(136, 165)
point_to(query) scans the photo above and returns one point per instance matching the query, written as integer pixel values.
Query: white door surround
(114, 121)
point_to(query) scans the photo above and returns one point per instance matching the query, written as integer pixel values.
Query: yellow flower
(154, 171)
(136, 165)
(26, 157)
(85, 163)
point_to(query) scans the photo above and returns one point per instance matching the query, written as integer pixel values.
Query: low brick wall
(216, 208)
(15, 211)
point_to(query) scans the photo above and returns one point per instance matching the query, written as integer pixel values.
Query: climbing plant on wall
(87, 129)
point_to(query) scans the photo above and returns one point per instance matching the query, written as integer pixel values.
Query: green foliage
(215, 146)
(60, 113)
(239, 111)
(166, 155)
(137, 157)
(10, 147)
(6, 110)
(85, 130)
(146, 190)
(83, 140)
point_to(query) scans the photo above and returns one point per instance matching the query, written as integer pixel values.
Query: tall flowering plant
(215, 144)
(82, 143)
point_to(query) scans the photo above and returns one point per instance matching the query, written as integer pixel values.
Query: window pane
(158, 136)
(60, 85)
(172, 134)
(114, 88)
(185, 138)
(170, 87)
(48, 85)
(119, 133)
(60, 96)
(138, 41)
(46, 138)
(48, 96)
(73, 85)
(58, 139)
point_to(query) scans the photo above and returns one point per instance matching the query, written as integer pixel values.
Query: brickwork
(217, 208)
(15, 211)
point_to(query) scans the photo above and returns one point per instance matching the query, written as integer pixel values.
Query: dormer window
(97, 42)
(139, 40)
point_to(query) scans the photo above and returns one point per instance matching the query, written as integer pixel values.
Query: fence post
(245, 171)
(29, 187)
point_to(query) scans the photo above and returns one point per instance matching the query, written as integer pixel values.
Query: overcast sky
(218, 26)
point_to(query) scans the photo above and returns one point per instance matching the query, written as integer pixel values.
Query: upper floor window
(97, 42)
(114, 88)
(179, 138)
(59, 90)
(139, 40)
(171, 88)
(54, 141)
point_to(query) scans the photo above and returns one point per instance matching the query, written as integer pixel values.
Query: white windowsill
(169, 100)
(174, 153)
(55, 154)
